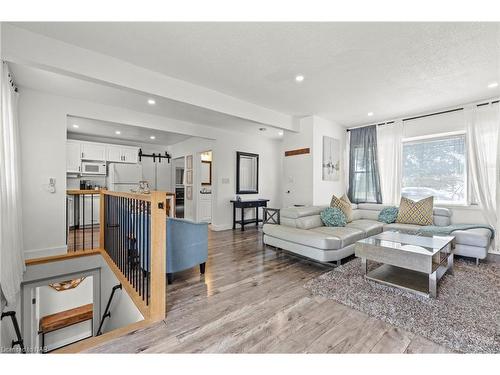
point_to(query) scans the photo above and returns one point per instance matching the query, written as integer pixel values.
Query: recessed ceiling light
(118, 132)
(492, 85)
(370, 113)
(151, 102)
(152, 137)
(299, 78)
(280, 133)
(75, 126)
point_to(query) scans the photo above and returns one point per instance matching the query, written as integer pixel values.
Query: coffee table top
(424, 244)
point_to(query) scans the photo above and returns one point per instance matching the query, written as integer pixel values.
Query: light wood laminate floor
(252, 300)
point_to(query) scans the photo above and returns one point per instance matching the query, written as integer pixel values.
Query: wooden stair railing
(133, 242)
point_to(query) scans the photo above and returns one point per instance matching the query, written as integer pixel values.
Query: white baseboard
(218, 228)
(50, 251)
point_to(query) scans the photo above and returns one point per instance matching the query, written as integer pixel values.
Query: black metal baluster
(92, 221)
(144, 229)
(83, 226)
(120, 232)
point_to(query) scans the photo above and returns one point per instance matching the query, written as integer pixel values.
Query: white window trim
(468, 183)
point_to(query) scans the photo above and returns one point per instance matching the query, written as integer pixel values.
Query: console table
(254, 203)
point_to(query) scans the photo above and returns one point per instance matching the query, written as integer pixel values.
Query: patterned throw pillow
(343, 204)
(388, 215)
(333, 217)
(419, 213)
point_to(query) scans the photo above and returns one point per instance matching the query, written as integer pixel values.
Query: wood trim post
(158, 255)
(102, 218)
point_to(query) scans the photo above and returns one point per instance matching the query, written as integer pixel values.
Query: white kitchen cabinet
(205, 207)
(73, 154)
(114, 153)
(93, 151)
(130, 154)
(122, 154)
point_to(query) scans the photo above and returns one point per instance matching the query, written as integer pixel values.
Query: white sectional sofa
(301, 231)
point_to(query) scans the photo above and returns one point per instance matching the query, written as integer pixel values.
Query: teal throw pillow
(333, 217)
(388, 215)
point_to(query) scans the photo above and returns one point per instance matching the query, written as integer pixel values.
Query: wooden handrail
(141, 197)
(82, 192)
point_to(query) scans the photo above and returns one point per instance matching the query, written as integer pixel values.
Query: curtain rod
(426, 115)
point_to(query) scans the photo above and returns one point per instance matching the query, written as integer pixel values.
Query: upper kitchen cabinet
(130, 154)
(122, 154)
(114, 154)
(73, 153)
(93, 151)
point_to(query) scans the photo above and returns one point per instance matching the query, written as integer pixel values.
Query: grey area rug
(464, 317)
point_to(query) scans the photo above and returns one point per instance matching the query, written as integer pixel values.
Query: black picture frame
(238, 156)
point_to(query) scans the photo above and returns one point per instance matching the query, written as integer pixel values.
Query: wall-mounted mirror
(247, 173)
(206, 172)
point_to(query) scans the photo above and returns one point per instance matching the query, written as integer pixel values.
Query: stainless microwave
(93, 168)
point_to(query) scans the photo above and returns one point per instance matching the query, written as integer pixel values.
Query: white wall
(50, 301)
(323, 190)
(42, 122)
(302, 174)
(123, 309)
(298, 169)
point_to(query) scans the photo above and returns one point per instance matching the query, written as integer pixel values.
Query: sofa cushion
(343, 204)
(411, 212)
(369, 227)
(340, 236)
(308, 222)
(325, 238)
(480, 237)
(409, 228)
(388, 215)
(296, 212)
(333, 217)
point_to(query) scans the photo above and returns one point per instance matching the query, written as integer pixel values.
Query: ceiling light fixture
(262, 129)
(75, 126)
(118, 132)
(151, 102)
(492, 85)
(152, 137)
(299, 78)
(370, 114)
(280, 133)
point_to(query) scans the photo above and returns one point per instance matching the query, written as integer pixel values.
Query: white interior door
(164, 176)
(148, 172)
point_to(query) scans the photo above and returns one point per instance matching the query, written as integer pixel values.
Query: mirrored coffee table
(412, 262)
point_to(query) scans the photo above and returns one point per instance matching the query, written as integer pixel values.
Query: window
(437, 167)
(362, 174)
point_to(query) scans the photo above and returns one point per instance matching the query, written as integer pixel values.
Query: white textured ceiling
(391, 69)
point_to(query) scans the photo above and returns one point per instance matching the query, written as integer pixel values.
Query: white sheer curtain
(11, 243)
(483, 131)
(389, 140)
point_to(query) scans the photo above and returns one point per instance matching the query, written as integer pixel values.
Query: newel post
(158, 255)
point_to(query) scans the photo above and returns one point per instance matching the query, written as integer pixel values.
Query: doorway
(178, 170)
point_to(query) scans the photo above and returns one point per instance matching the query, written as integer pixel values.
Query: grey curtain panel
(364, 179)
